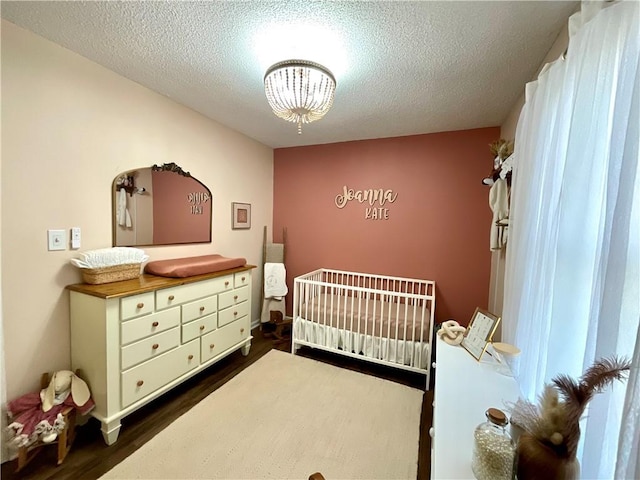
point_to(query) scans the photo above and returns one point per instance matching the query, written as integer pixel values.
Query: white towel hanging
(499, 203)
(275, 280)
(123, 218)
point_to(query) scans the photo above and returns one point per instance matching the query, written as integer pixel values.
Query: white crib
(381, 319)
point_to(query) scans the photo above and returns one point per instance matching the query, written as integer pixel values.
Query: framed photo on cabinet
(241, 215)
(480, 332)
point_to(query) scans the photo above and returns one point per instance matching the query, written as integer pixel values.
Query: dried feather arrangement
(501, 148)
(555, 422)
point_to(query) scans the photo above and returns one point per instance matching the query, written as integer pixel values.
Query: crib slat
(397, 324)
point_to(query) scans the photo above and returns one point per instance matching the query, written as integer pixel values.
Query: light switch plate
(57, 239)
(75, 237)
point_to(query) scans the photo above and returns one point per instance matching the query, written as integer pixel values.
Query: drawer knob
(171, 297)
(202, 309)
(235, 297)
(190, 357)
(155, 346)
(235, 313)
(243, 279)
(226, 284)
(154, 324)
(140, 383)
(242, 330)
(201, 327)
(140, 305)
(212, 345)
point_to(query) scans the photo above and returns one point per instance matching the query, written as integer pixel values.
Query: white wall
(69, 127)
(4, 452)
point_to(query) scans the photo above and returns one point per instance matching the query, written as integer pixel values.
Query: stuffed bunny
(62, 384)
(38, 415)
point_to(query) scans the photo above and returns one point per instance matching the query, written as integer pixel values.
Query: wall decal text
(196, 199)
(372, 196)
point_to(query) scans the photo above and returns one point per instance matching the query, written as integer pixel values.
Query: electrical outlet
(75, 237)
(57, 239)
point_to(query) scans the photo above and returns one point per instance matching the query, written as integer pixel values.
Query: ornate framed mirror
(160, 205)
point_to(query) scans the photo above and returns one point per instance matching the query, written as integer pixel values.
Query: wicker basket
(115, 273)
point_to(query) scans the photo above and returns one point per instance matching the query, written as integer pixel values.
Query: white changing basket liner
(109, 257)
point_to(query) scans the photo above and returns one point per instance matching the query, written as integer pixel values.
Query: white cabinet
(137, 339)
(464, 390)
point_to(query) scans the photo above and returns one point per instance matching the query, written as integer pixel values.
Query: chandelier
(299, 91)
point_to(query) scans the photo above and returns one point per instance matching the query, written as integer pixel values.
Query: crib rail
(369, 282)
(379, 318)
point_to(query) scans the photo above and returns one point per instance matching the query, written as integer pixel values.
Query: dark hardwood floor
(90, 457)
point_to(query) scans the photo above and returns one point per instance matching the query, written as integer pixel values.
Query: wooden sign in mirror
(160, 205)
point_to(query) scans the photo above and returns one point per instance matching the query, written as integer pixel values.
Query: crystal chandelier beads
(299, 91)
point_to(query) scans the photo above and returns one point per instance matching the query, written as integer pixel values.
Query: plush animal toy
(451, 332)
(38, 415)
(63, 384)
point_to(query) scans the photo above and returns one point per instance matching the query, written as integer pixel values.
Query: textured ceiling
(402, 68)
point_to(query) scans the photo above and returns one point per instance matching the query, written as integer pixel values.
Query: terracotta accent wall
(437, 227)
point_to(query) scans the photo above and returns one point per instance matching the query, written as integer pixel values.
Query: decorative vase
(535, 460)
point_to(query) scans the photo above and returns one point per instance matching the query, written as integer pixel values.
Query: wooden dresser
(136, 339)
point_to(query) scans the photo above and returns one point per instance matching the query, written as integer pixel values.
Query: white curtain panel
(572, 281)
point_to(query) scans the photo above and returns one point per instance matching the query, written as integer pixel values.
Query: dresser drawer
(199, 327)
(168, 297)
(241, 279)
(149, 347)
(138, 328)
(136, 305)
(222, 339)
(232, 314)
(146, 378)
(199, 308)
(234, 297)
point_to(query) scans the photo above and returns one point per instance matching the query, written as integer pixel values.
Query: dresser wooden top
(146, 283)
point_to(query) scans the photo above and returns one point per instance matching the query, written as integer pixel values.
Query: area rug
(286, 417)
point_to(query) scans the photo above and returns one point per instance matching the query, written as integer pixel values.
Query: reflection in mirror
(160, 205)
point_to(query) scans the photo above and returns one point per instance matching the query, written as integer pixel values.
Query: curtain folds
(572, 280)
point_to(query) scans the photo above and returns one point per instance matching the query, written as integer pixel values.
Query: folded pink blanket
(190, 266)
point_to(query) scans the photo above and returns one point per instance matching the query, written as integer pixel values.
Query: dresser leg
(245, 349)
(110, 431)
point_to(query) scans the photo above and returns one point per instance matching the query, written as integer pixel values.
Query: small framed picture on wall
(241, 215)
(480, 332)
